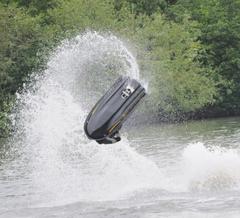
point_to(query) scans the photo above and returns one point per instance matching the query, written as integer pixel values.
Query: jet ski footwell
(108, 115)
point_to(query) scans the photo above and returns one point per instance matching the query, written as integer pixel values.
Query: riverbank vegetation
(188, 49)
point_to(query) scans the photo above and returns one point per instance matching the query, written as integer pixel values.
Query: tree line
(188, 49)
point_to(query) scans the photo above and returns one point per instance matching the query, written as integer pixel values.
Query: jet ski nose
(106, 118)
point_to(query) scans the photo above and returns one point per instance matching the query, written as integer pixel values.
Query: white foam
(209, 168)
(62, 164)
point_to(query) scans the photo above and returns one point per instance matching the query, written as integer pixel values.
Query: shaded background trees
(188, 49)
(219, 24)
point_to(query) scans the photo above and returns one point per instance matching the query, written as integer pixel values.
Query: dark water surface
(181, 170)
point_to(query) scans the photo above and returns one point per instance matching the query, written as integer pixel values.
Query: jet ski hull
(107, 116)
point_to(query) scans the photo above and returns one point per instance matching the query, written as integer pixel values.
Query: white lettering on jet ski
(127, 92)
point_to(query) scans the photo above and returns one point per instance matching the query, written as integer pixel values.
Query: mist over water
(49, 161)
(88, 64)
(62, 164)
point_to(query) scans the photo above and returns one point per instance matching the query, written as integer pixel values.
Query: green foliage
(146, 7)
(220, 34)
(78, 15)
(188, 49)
(34, 7)
(22, 43)
(18, 47)
(179, 83)
(5, 123)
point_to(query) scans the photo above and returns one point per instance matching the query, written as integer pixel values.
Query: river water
(49, 168)
(181, 170)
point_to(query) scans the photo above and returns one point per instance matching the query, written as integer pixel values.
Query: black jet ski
(107, 116)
